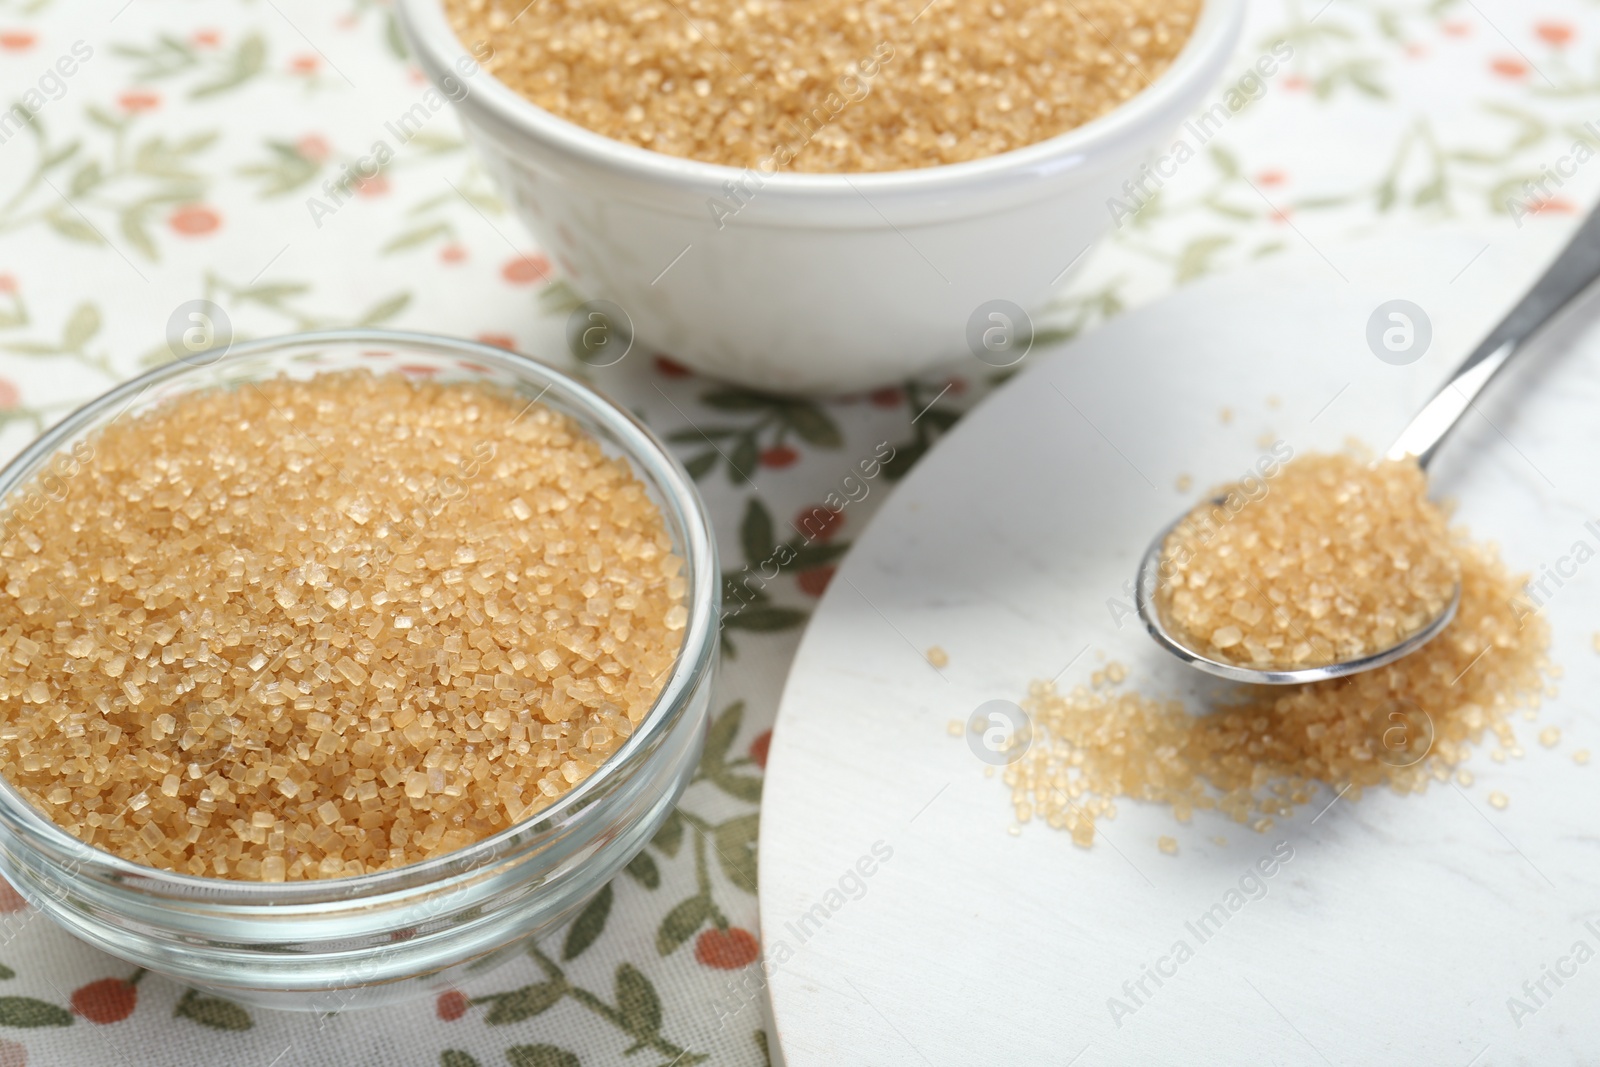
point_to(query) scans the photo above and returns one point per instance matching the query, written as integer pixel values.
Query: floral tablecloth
(170, 151)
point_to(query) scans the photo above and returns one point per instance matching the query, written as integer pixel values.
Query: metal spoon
(1573, 270)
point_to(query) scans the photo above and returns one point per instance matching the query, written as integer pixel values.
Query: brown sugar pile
(830, 85)
(1401, 725)
(1333, 559)
(321, 628)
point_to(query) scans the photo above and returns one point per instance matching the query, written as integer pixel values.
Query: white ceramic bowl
(821, 282)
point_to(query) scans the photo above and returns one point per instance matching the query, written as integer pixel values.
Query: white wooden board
(1400, 926)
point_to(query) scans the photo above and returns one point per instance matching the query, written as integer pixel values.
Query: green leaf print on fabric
(214, 1012)
(540, 1056)
(589, 924)
(28, 1012)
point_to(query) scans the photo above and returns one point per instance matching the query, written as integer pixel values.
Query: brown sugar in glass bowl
(311, 628)
(403, 909)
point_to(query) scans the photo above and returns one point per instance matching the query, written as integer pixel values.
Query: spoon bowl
(1149, 581)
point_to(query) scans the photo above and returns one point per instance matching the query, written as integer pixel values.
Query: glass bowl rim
(650, 461)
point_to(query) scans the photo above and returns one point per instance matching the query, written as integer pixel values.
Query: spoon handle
(1570, 274)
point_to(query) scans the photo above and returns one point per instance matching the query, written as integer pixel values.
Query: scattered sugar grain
(1169, 845)
(1258, 758)
(938, 657)
(1498, 800)
(1550, 736)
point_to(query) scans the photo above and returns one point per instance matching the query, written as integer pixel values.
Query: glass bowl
(339, 943)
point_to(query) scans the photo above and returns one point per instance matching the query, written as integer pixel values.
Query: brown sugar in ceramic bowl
(820, 282)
